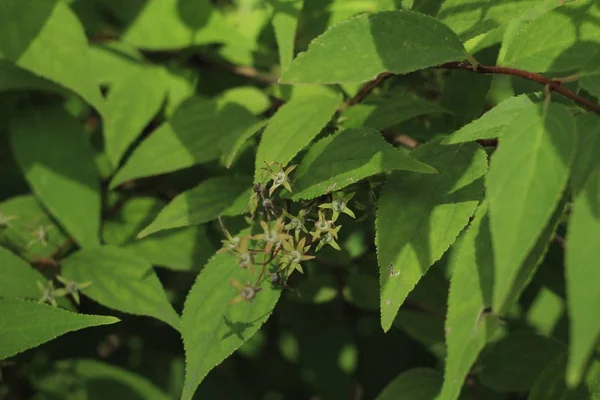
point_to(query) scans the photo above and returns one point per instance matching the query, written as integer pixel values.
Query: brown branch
(552, 84)
(368, 88)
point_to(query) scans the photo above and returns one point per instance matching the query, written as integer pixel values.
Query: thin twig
(552, 84)
(368, 88)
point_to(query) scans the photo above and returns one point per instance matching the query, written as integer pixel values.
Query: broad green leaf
(25, 218)
(49, 42)
(388, 112)
(528, 174)
(527, 270)
(249, 97)
(514, 362)
(588, 149)
(198, 132)
(130, 106)
(590, 76)
(212, 328)
(26, 324)
(201, 204)
(469, 18)
(15, 78)
(347, 157)
(234, 144)
(55, 156)
(467, 105)
(361, 48)
(471, 287)
(550, 384)
(184, 249)
(114, 60)
(414, 384)
(582, 275)
(419, 217)
(17, 278)
(493, 123)
(86, 379)
(561, 40)
(285, 21)
(289, 130)
(121, 280)
(175, 24)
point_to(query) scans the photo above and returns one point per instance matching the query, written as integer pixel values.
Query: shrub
(328, 199)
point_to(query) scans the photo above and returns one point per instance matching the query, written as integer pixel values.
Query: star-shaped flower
(71, 288)
(273, 236)
(293, 256)
(339, 204)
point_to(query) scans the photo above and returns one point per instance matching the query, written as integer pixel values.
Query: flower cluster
(70, 288)
(286, 238)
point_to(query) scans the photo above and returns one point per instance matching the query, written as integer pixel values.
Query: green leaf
(17, 278)
(469, 18)
(26, 324)
(289, 130)
(560, 40)
(360, 48)
(82, 379)
(527, 270)
(590, 76)
(114, 60)
(387, 112)
(471, 288)
(493, 123)
(130, 106)
(52, 150)
(121, 280)
(588, 149)
(514, 362)
(176, 24)
(249, 97)
(414, 384)
(212, 329)
(419, 217)
(550, 385)
(347, 157)
(285, 22)
(26, 216)
(197, 133)
(235, 143)
(184, 249)
(528, 174)
(50, 43)
(582, 275)
(201, 204)
(15, 78)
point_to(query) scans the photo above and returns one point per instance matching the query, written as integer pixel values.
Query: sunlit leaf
(420, 216)
(122, 280)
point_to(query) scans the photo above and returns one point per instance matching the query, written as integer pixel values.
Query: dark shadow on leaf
(28, 20)
(193, 13)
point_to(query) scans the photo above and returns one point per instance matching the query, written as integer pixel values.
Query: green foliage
(300, 199)
(26, 324)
